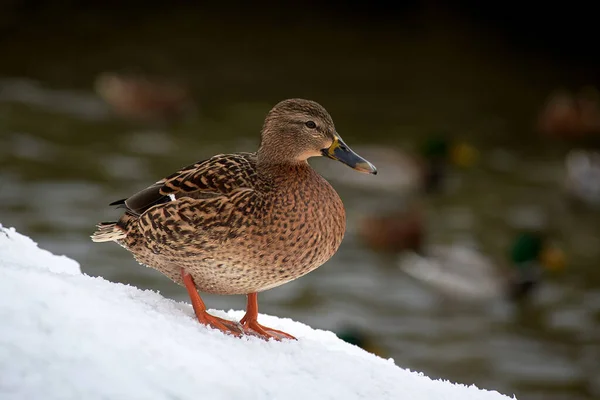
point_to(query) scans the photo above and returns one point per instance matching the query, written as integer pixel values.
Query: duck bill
(464, 155)
(341, 152)
(553, 258)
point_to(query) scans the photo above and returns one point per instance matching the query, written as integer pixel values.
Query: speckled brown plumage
(248, 237)
(245, 222)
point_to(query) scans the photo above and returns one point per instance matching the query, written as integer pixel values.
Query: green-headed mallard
(463, 272)
(246, 222)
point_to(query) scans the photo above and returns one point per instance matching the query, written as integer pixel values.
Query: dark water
(64, 157)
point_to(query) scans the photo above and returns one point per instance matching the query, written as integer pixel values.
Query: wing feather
(219, 175)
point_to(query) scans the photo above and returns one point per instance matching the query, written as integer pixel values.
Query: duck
(144, 99)
(404, 173)
(569, 116)
(437, 154)
(582, 177)
(393, 232)
(243, 223)
(462, 272)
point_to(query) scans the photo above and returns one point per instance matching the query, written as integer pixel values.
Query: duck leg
(200, 309)
(251, 326)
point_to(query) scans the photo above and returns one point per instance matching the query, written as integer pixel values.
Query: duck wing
(217, 176)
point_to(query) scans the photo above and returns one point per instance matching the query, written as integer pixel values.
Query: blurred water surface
(64, 156)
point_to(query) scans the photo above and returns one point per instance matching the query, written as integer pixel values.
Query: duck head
(297, 129)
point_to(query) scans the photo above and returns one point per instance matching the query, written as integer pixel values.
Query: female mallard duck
(143, 99)
(571, 117)
(394, 232)
(465, 273)
(246, 222)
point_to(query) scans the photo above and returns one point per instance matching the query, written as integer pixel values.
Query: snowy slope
(65, 335)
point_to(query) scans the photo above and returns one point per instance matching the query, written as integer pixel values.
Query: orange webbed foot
(255, 329)
(224, 325)
(204, 317)
(250, 325)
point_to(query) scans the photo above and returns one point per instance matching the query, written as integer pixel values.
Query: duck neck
(277, 171)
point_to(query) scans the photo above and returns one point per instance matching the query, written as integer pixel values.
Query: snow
(66, 335)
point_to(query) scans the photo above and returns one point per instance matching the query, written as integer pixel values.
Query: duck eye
(310, 124)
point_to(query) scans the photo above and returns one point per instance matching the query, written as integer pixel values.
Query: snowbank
(65, 335)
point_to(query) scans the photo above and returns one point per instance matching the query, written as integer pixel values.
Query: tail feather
(108, 231)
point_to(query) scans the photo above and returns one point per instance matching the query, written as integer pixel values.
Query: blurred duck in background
(144, 99)
(438, 155)
(394, 232)
(466, 274)
(576, 118)
(402, 228)
(403, 173)
(571, 117)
